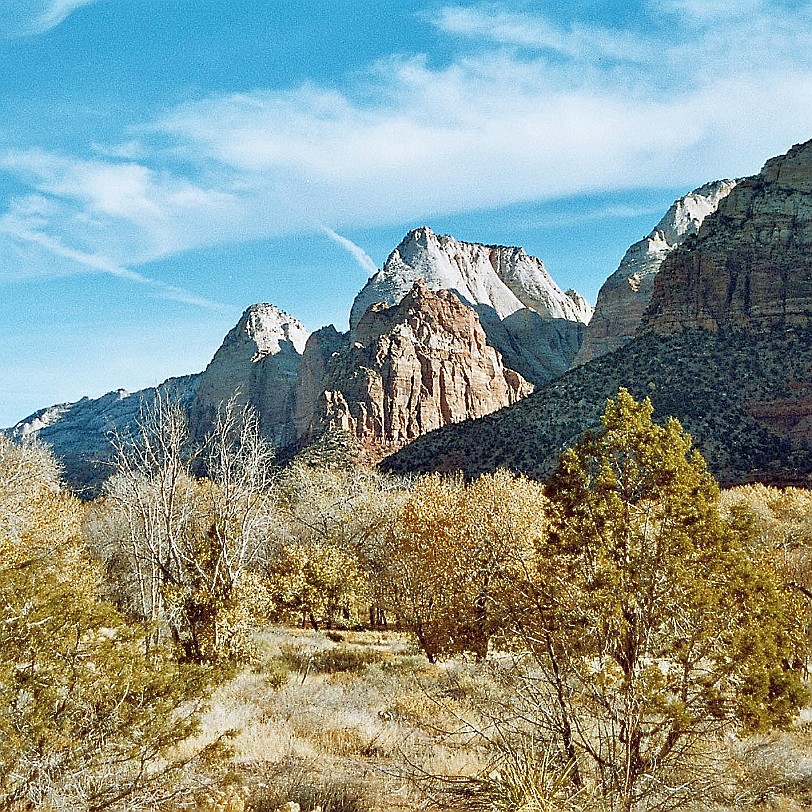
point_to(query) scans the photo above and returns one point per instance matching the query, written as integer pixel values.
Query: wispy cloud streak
(498, 24)
(56, 12)
(25, 18)
(102, 264)
(364, 260)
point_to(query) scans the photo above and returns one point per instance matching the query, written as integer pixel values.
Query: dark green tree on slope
(652, 626)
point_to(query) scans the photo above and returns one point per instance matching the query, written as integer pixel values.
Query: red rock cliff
(750, 265)
(408, 369)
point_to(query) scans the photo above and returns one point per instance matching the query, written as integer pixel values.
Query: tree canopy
(87, 718)
(652, 622)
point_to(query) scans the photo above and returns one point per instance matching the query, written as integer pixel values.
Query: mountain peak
(625, 295)
(792, 170)
(419, 234)
(750, 264)
(270, 329)
(503, 278)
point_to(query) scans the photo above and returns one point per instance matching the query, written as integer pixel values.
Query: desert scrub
(300, 782)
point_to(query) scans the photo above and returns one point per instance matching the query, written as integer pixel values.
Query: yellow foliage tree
(330, 521)
(454, 554)
(87, 719)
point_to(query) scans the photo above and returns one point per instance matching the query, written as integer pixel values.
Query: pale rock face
(506, 286)
(405, 370)
(506, 279)
(624, 297)
(256, 365)
(322, 346)
(80, 433)
(750, 265)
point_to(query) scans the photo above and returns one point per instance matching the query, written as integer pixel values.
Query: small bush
(341, 659)
(298, 782)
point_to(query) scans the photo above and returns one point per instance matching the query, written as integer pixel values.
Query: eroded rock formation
(750, 265)
(536, 326)
(626, 294)
(256, 365)
(404, 370)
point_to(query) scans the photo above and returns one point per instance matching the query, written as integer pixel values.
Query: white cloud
(484, 133)
(137, 213)
(22, 227)
(364, 260)
(499, 24)
(714, 10)
(407, 141)
(28, 17)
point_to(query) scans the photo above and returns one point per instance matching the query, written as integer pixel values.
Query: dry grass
(363, 723)
(335, 723)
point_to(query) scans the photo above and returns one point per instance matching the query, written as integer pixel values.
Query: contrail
(101, 263)
(363, 259)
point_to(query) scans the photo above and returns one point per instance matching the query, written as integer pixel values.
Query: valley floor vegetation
(220, 632)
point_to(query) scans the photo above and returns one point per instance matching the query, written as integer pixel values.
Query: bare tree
(153, 497)
(184, 547)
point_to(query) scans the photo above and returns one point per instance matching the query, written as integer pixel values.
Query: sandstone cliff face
(314, 376)
(536, 326)
(256, 365)
(405, 370)
(626, 294)
(750, 265)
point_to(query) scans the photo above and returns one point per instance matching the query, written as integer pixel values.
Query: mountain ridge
(725, 346)
(626, 294)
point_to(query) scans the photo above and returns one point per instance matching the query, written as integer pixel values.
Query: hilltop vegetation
(218, 632)
(742, 396)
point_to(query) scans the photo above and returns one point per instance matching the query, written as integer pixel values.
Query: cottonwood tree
(651, 627)
(454, 554)
(330, 520)
(88, 720)
(187, 547)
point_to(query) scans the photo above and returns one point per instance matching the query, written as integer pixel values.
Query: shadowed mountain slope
(745, 399)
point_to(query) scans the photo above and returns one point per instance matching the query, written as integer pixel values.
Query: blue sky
(166, 163)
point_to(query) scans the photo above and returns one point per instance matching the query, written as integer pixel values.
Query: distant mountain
(428, 359)
(725, 345)
(402, 371)
(257, 365)
(447, 331)
(626, 294)
(503, 278)
(80, 433)
(537, 327)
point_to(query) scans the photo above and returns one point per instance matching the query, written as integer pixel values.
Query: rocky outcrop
(81, 433)
(750, 265)
(322, 350)
(625, 296)
(404, 370)
(256, 365)
(536, 326)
